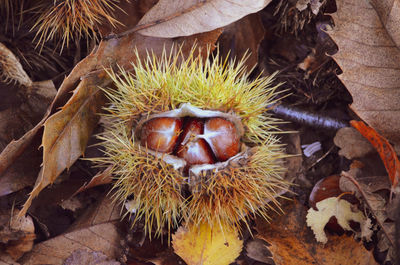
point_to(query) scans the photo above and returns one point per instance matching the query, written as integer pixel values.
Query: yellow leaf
(207, 245)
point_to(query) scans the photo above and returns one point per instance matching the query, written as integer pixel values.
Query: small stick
(307, 118)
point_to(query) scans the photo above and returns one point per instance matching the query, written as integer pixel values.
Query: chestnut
(193, 149)
(223, 138)
(161, 134)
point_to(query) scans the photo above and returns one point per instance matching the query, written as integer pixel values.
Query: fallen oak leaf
(384, 148)
(351, 143)
(342, 210)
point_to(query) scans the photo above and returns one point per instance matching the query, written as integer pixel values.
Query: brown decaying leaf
(170, 18)
(81, 256)
(66, 132)
(18, 148)
(351, 143)
(257, 249)
(293, 243)
(17, 234)
(241, 38)
(384, 212)
(26, 109)
(102, 178)
(368, 36)
(97, 230)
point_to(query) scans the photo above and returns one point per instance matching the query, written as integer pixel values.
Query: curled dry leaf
(17, 150)
(97, 230)
(291, 242)
(368, 36)
(67, 132)
(375, 201)
(170, 18)
(384, 212)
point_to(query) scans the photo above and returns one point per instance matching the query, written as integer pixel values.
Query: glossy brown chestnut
(223, 138)
(194, 150)
(161, 134)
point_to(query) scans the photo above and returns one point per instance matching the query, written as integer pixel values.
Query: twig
(319, 159)
(307, 118)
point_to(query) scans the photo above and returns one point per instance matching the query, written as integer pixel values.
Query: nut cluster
(196, 140)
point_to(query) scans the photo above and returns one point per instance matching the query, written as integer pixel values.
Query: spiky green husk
(226, 195)
(241, 190)
(155, 185)
(161, 85)
(68, 20)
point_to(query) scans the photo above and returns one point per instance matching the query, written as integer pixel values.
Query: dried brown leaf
(16, 234)
(351, 143)
(97, 230)
(170, 18)
(67, 132)
(243, 37)
(25, 110)
(14, 151)
(257, 249)
(81, 256)
(368, 36)
(375, 201)
(102, 178)
(293, 243)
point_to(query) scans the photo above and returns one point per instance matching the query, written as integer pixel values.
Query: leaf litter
(78, 101)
